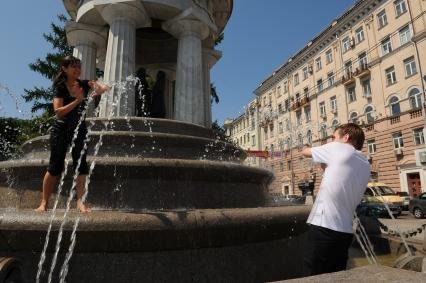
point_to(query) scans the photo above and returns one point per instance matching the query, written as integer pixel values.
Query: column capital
(132, 10)
(78, 33)
(190, 21)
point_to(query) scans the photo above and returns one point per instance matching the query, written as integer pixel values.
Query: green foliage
(219, 39)
(220, 133)
(48, 67)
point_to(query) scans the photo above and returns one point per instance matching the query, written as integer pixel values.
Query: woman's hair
(65, 62)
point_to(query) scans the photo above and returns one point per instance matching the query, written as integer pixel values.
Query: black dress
(63, 130)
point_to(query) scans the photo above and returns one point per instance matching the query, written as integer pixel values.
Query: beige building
(366, 67)
(244, 131)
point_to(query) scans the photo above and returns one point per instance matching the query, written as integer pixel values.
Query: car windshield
(383, 190)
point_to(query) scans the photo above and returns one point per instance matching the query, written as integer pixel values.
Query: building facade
(366, 67)
(244, 131)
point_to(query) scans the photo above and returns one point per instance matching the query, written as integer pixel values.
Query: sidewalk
(406, 222)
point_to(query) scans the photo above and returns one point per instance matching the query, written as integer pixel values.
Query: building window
(281, 166)
(286, 105)
(253, 140)
(322, 109)
(363, 61)
(348, 69)
(346, 44)
(382, 19)
(300, 140)
(369, 114)
(404, 35)
(323, 132)
(333, 104)
(297, 97)
(398, 142)
(415, 97)
(299, 117)
(386, 46)
(305, 73)
(278, 91)
(394, 105)
(280, 127)
(285, 87)
(359, 35)
(390, 76)
(400, 7)
(366, 88)
(371, 146)
(351, 94)
(309, 137)
(334, 125)
(419, 137)
(288, 164)
(306, 92)
(353, 118)
(308, 114)
(287, 125)
(319, 85)
(330, 79)
(301, 162)
(329, 56)
(410, 66)
(296, 79)
(318, 63)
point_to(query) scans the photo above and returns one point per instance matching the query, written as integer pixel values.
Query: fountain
(170, 201)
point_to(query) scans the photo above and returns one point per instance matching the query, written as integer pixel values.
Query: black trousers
(60, 139)
(325, 250)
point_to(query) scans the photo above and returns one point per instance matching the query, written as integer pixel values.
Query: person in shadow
(158, 108)
(143, 96)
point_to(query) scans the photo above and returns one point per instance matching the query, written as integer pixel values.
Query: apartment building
(244, 131)
(366, 67)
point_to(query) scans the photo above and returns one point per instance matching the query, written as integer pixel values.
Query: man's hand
(306, 152)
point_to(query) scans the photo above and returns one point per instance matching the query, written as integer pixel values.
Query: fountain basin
(204, 245)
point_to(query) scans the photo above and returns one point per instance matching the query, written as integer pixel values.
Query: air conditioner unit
(334, 110)
(310, 69)
(323, 115)
(397, 151)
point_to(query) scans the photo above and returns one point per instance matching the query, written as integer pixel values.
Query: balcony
(348, 79)
(415, 113)
(395, 119)
(362, 71)
(304, 101)
(295, 105)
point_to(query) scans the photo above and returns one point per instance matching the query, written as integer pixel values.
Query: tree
(48, 67)
(220, 133)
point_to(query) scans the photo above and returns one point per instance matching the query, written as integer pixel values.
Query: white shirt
(342, 187)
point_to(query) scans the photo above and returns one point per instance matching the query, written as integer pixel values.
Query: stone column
(189, 72)
(86, 39)
(210, 57)
(124, 18)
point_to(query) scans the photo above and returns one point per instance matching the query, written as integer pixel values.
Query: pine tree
(48, 67)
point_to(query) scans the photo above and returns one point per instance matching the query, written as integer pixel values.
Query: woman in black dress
(68, 103)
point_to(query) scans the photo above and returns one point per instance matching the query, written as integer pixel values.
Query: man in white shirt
(344, 181)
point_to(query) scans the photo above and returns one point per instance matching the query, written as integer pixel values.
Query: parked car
(417, 206)
(377, 209)
(380, 192)
(405, 199)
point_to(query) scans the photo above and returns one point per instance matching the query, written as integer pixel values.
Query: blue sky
(259, 37)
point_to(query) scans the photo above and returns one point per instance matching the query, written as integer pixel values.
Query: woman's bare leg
(81, 182)
(49, 183)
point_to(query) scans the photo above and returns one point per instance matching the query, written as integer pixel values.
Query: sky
(259, 37)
